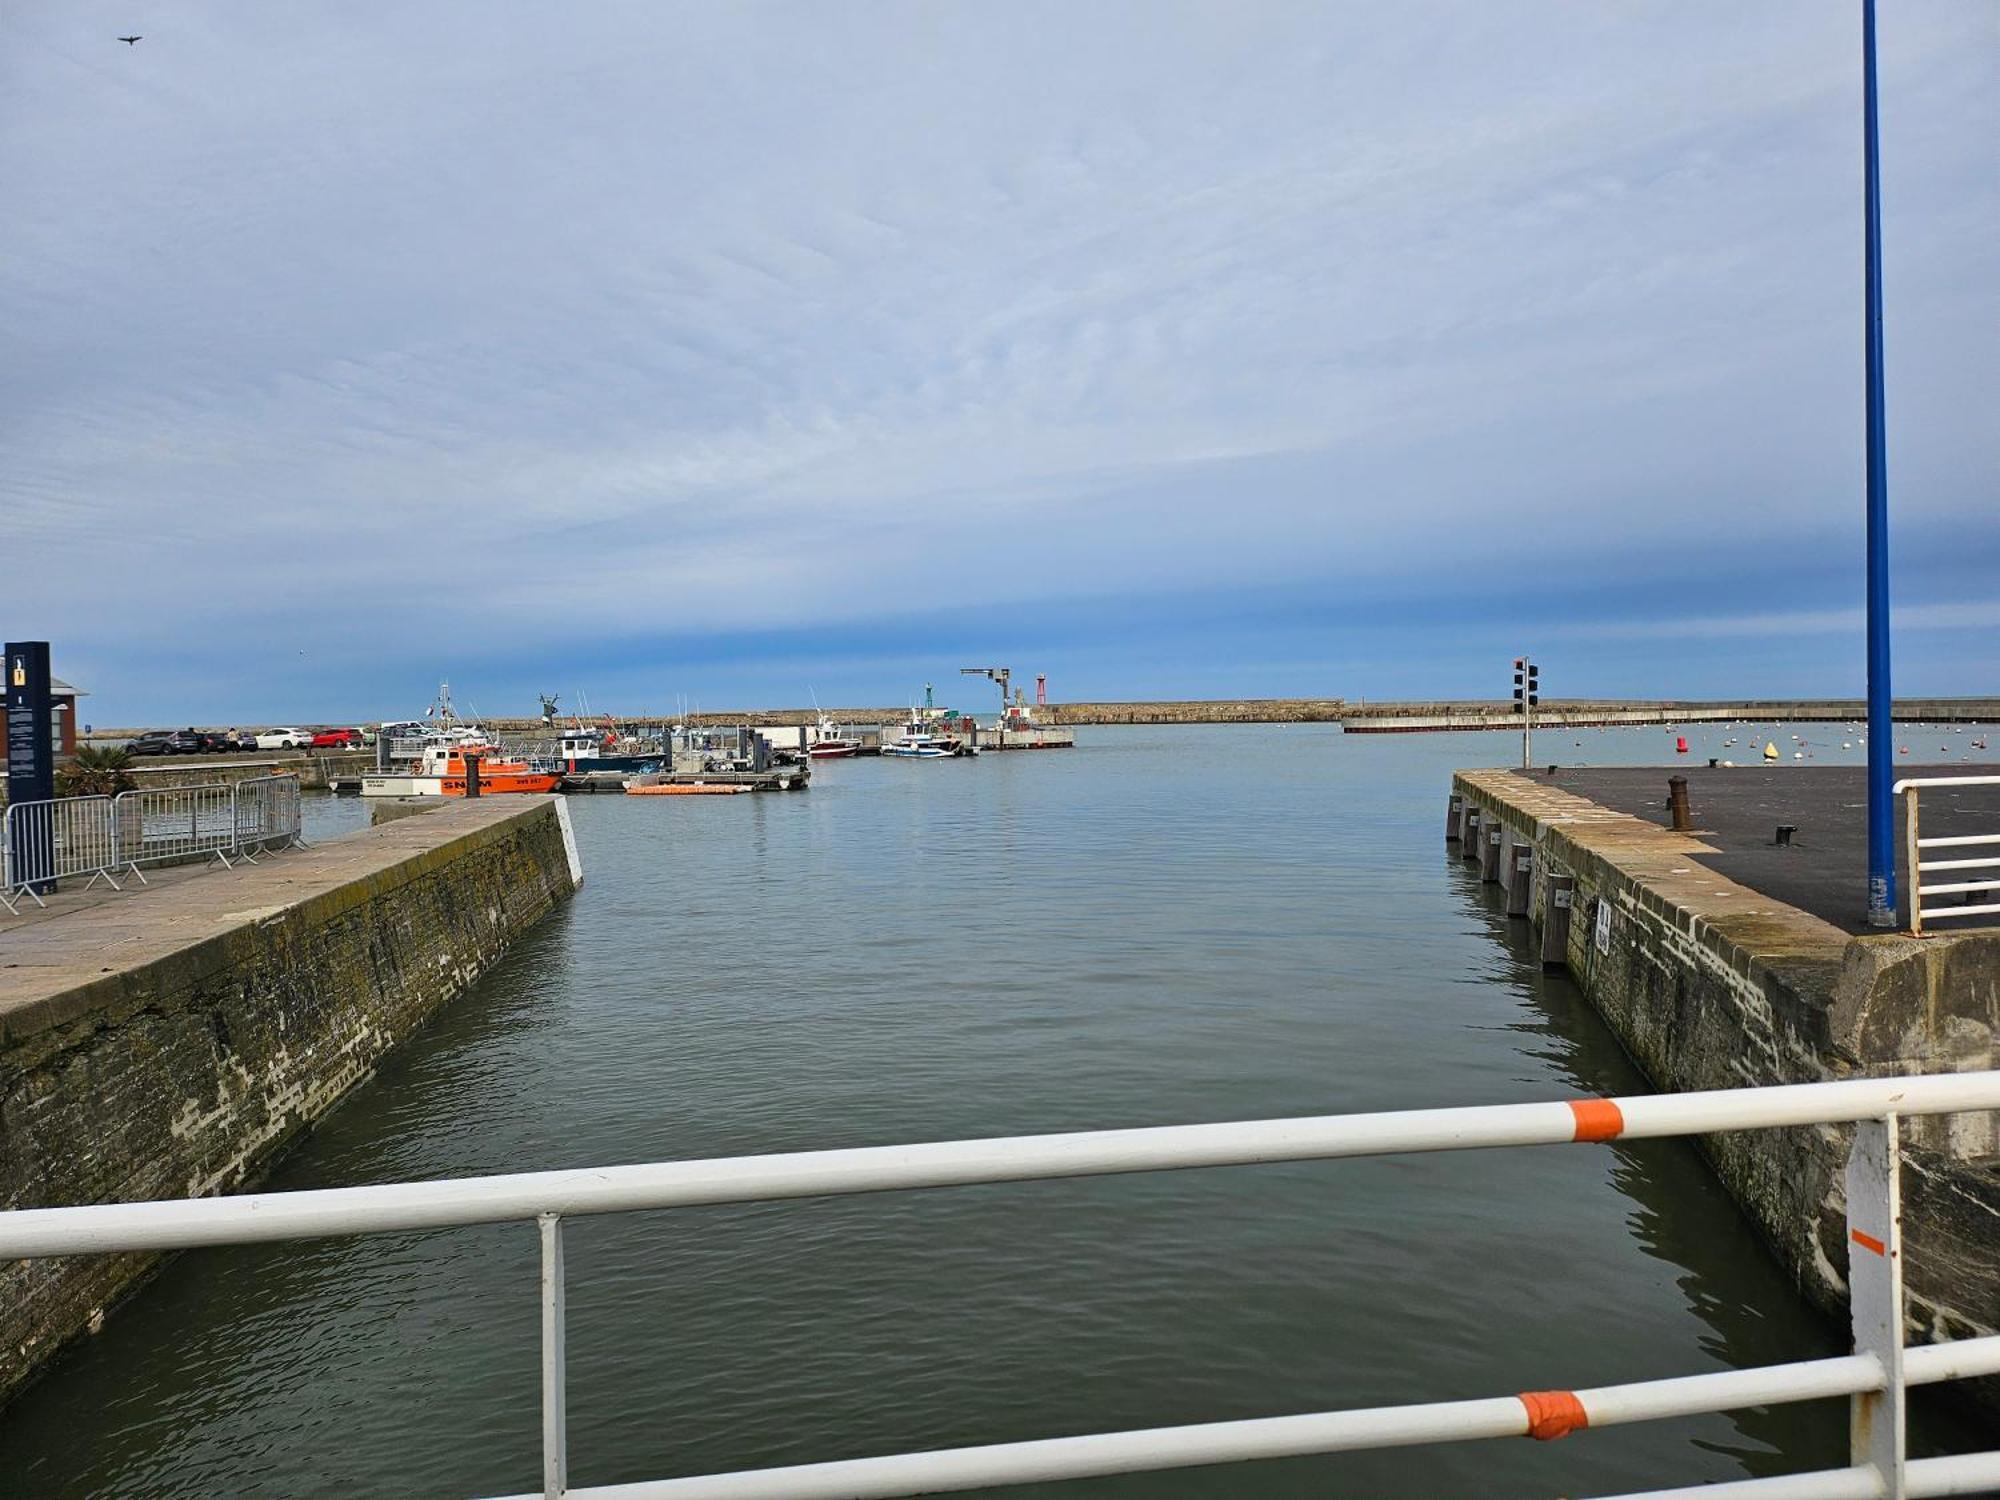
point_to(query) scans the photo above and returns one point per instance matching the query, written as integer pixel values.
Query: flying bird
(131, 40)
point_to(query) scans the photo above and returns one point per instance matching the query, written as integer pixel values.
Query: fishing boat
(915, 741)
(920, 747)
(583, 748)
(828, 743)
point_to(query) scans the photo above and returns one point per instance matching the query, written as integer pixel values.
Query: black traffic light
(1527, 685)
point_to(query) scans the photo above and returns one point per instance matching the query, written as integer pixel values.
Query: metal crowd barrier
(51, 838)
(1874, 1377)
(158, 825)
(107, 837)
(266, 812)
(1914, 847)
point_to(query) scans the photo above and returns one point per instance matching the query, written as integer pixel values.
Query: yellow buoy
(1770, 750)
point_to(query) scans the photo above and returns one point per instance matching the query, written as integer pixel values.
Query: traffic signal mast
(1527, 693)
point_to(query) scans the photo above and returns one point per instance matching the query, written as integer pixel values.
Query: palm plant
(96, 771)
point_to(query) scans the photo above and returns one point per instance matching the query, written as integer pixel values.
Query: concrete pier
(1723, 960)
(172, 1042)
(1413, 718)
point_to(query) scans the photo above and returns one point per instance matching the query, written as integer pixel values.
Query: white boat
(915, 744)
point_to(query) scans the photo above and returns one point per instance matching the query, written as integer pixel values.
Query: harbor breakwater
(176, 1044)
(1354, 716)
(1709, 984)
(1412, 718)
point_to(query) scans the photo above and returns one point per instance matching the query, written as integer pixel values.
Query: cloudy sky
(653, 351)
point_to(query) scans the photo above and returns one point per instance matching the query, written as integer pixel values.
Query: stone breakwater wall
(228, 1017)
(1578, 713)
(1712, 985)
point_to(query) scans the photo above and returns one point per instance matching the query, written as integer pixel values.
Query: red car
(337, 739)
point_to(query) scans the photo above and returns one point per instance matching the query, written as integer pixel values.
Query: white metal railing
(1914, 847)
(1874, 1377)
(106, 837)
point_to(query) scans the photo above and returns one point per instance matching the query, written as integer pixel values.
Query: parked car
(171, 742)
(284, 739)
(337, 739)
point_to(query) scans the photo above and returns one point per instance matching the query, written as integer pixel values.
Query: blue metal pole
(1881, 729)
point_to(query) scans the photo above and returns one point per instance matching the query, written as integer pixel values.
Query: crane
(1001, 675)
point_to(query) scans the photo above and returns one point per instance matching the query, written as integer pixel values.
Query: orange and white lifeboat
(497, 773)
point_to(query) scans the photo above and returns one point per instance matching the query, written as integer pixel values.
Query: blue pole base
(1881, 904)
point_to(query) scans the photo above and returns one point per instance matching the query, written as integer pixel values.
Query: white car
(284, 739)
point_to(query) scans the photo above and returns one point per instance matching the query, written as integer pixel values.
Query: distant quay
(1357, 716)
(1571, 713)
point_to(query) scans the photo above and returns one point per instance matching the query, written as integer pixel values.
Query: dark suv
(170, 742)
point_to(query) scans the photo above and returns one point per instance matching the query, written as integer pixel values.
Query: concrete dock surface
(84, 935)
(1737, 810)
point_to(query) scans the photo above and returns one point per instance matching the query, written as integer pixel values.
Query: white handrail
(1914, 846)
(1874, 1377)
(184, 1223)
(1909, 781)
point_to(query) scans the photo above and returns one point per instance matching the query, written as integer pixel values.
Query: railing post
(1875, 1297)
(555, 1420)
(1915, 883)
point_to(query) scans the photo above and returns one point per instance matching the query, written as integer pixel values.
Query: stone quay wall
(1712, 985)
(188, 1067)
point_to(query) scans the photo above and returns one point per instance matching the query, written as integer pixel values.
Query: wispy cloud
(661, 320)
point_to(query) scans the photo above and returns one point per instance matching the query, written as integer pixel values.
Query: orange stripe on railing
(1553, 1414)
(1596, 1119)
(1867, 1241)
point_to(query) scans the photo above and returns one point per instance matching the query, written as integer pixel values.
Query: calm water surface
(1167, 925)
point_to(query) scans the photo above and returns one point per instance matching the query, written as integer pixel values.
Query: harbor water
(1165, 925)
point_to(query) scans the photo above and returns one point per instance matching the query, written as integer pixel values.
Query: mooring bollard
(472, 776)
(1469, 846)
(1454, 816)
(1559, 896)
(1520, 878)
(1489, 853)
(1677, 799)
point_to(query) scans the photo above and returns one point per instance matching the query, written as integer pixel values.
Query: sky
(648, 353)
